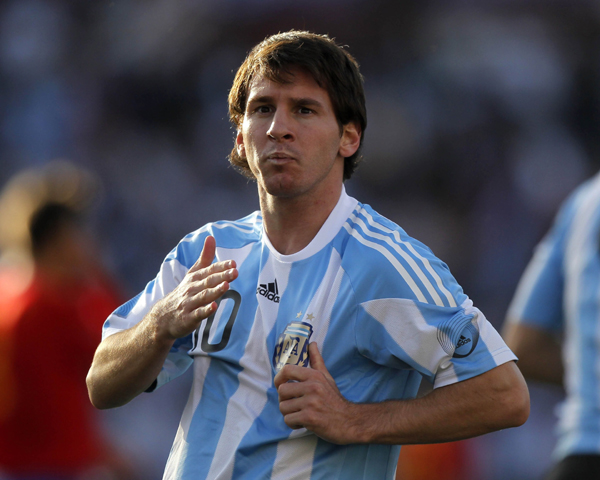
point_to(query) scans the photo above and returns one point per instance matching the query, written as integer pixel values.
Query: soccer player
(311, 330)
(557, 301)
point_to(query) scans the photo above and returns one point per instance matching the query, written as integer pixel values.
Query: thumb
(316, 360)
(207, 255)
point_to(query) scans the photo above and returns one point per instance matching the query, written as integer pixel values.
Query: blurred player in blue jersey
(553, 324)
(309, 324)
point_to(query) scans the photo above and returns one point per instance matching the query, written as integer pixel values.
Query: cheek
(250, 151)
(330, 144)
(254, 169)
(251, 158)
(249, 138)
(254, 143)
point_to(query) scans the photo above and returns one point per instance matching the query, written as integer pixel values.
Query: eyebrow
(308, 101)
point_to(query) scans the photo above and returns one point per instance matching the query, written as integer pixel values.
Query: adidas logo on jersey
(462, 341)
(269, 290)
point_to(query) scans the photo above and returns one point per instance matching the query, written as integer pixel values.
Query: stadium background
(482, 117)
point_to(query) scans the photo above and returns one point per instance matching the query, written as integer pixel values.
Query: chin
(282, 187)
(283, 192)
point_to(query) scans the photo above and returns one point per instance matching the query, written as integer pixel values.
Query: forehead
(297, 83)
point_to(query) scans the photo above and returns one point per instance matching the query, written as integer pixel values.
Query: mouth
(279, 158)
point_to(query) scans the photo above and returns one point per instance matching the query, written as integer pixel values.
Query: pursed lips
(279, 157)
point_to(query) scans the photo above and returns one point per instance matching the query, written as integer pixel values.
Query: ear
(239, 144)
(350, 140)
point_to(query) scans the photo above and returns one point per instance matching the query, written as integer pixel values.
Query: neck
(61, 263)
(292, 223)
(54, 272)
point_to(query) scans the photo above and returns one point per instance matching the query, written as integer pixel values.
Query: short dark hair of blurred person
(54, 297)
(553, 326)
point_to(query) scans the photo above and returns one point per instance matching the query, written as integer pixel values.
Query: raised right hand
(179, 313)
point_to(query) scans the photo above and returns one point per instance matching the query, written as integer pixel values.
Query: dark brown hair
(47, 223)
(333, 68)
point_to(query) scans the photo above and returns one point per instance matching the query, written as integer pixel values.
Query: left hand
(313, 400)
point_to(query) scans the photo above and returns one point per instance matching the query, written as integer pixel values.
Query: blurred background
(482, 117)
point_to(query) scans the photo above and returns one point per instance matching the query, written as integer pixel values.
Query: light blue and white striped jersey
(382, 308)
(560, 293)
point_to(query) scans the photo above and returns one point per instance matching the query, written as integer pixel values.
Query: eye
(305, 110)
(262, 109)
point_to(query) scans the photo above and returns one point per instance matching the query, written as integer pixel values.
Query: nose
(281, 127)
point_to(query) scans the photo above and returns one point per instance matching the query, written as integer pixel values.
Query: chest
(273, 310)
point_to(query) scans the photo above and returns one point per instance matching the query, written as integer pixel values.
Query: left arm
(492, 401)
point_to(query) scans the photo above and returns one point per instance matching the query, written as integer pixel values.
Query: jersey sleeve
(445, 345)
(412, 313)
(171, 273)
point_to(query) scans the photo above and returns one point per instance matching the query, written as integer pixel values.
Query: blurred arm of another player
(539, 352)
(127, 363)
(494, 400)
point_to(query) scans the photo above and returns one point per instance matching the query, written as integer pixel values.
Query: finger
(207, 255)
(291, 390)
(209, 295)
(280, 379)
(217, 278)
(294, 420)
(317, 363)
(291, 372)
(290, 406)
(316, 359)
(206, 311)
(208, 252)
(204, 303)
(201, 280)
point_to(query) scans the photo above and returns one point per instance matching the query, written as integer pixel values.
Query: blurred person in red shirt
(54, 297)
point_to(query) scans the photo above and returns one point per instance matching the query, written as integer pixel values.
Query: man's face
(291, 138)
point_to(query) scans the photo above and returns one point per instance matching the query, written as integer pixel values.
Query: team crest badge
(292, 346)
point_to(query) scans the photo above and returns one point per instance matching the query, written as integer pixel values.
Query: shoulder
(378, 251)
(228, 234)
(585, 198)
(577, 220)
(381, 241)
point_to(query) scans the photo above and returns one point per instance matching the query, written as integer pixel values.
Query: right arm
(127, 363)
(539, 352)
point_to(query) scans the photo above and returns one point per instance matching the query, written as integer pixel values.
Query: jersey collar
(326, 234)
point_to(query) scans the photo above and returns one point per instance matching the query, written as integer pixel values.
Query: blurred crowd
(482, 117)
